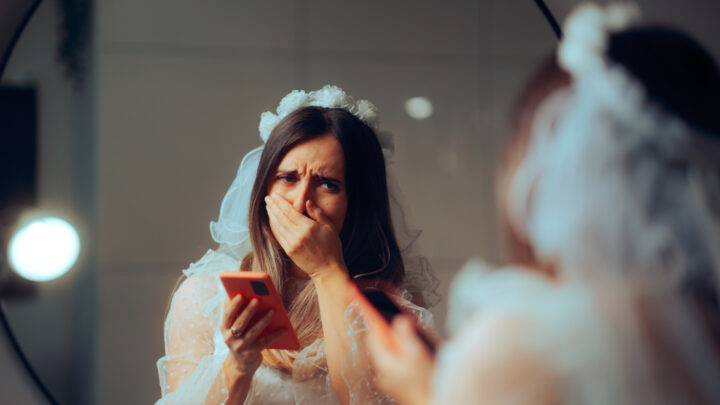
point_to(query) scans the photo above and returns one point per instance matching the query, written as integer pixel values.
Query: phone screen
(387, 308)
(382, 303)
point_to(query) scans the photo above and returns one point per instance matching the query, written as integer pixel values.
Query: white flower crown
(329, 97)
(584, 44)
(597, 126)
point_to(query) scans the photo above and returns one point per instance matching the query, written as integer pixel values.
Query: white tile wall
(172, 131)
(434, 157)
(266, 24)
(425, 27)
(518, 29)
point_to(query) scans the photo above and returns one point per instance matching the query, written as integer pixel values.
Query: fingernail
(267, 199)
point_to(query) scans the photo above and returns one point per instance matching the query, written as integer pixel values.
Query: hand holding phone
(379, 309)
(259, 286)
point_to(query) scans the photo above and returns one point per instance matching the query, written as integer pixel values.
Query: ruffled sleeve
(191, 370)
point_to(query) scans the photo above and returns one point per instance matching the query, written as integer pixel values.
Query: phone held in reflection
(379, 309)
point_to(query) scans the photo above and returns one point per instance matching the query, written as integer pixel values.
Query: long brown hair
(546, 80)
(370, 249)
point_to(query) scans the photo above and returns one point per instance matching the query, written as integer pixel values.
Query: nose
(302, 194)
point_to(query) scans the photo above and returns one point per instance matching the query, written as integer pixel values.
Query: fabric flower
(329, 97)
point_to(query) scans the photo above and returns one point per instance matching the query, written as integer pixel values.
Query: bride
(311, 208)
(613, 196)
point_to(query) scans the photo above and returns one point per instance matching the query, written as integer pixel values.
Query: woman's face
(314, 170)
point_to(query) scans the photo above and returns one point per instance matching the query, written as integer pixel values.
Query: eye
(286, 178)
(329, 185)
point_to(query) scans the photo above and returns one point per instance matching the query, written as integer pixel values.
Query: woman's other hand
(404, 373)
(241, 336)
(311, 242)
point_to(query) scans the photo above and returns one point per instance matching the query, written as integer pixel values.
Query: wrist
(334, 275)
(237, 375)
(238, 386)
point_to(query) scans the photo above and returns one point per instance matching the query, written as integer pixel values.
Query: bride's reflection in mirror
(311, 208)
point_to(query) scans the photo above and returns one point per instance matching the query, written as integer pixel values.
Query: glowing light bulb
(419, 108)
(44, 249)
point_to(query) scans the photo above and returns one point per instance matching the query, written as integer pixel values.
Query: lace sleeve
(191, 370)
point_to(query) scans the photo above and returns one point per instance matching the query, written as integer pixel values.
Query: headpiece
(232, 226)
(329, 97)
(612, 181)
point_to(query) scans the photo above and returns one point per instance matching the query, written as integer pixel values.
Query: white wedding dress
(521, 338)
(195, 347)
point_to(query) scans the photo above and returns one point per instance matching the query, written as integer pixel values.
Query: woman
(615, 196)
(317, 217)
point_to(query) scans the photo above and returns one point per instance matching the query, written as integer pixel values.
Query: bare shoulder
(493, 358)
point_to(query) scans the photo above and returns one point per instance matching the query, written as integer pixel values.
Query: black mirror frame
(17, 21)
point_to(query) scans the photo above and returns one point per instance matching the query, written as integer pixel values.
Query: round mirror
(141, 112)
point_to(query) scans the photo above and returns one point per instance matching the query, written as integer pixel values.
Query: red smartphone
(379, 309)
(255, 284)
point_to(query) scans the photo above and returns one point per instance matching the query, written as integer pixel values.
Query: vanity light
(44, 249)
(419, 107)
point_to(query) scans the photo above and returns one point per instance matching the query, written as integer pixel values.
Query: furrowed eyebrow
(320, 177)
(329, 179)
